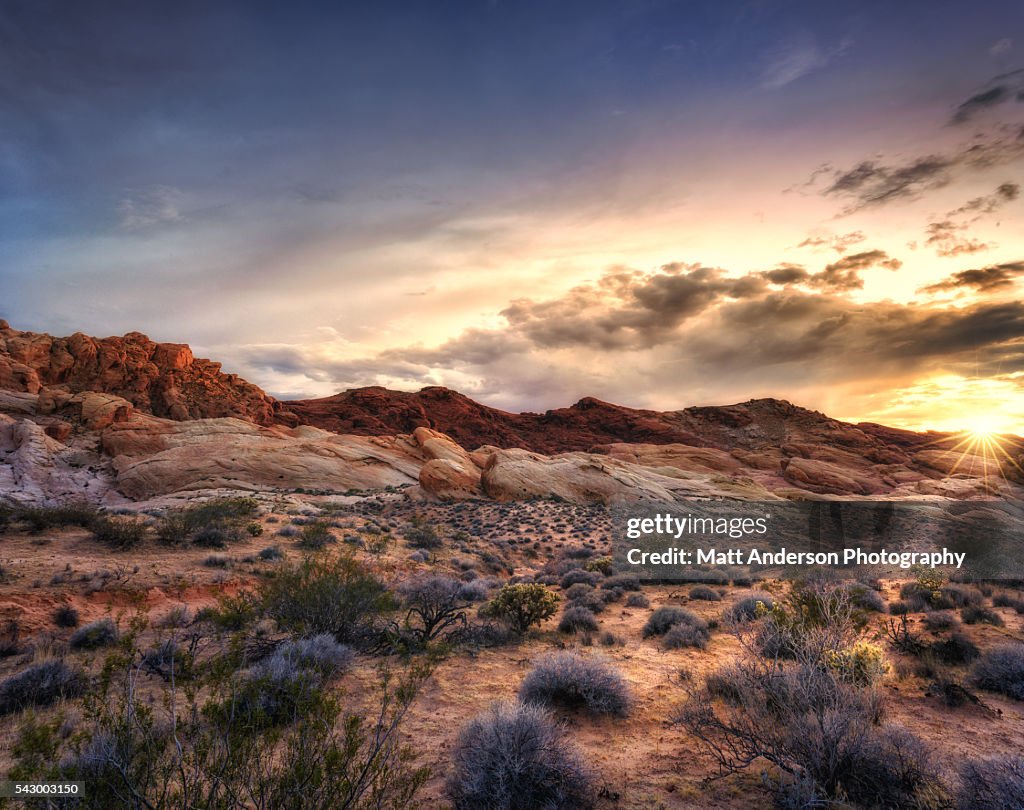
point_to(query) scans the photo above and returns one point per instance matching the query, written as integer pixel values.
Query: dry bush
(662, 619)
(991, 784)
(1002, 670)
(40, 685)
(570, 680)
(515, 757)
(576, 619)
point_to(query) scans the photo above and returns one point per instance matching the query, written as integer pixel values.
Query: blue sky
(332, 194)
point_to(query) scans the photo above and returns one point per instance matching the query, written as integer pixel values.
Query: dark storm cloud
(1000, 90)
(995, 277)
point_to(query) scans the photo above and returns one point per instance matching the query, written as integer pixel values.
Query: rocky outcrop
(161, 378)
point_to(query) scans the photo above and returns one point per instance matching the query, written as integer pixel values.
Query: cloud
(1000, 46)
(987, 204)
(686, 331)
(795, 58)
(994, 278)
(874, 182)
(1002, 89)
(946, 235)
(158, 205)
(839, 243)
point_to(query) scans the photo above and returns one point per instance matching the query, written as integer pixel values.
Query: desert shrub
(422, 535)
(625, 582)
(213, 523)
(42, 518)
(957, 649)
(320, 653)
(638, 600)
(315, 536)
(822, 734)
(288, 531)
(254, 529)
(65, 616)
(515, 757)
(170, 659)
(602, 565)
(474, 591)
(270, 553)
(118, 533)
(609, 639)
(576, 620)
(434, 606)
(266, 738)
(746, 609)
(815, 619)
(705, 594)
(522, 606)
(1007, 600)
(940, 620)
(682, 635)
(578, 576)
(659, 622)
(217, 561)
(862, 663)
(232, 613)
(336, 595)
(591, 600)
(1002, 670)
(96, 634)
(863, 597)
(991, 784)
(980, 615)
(572, 681)
(962, 596)
(578, 591)
(40, 685)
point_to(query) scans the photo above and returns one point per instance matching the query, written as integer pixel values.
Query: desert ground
(641, 760)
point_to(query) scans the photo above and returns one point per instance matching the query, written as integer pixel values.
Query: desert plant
(579, 576)
(625, 582)
(991, 784)
(40, 685)
(118, 533)
(750, 607)
(434, 606)
(96, 634)
(576, 620)
(638, 600)
(862, 663)
(522, 605)
(570, 680)
(821, 734)
(939, 620)
(66, 616)
(336, 595)
(270, 553)
(1002, 670)
(974, 614)
(41, 518)
(704, 593)
(683, 634)
(659, 622)
(515, 757)
(212, 523)
(315, 536)
(422, 535)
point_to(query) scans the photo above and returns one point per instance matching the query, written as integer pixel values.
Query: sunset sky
(656, 203)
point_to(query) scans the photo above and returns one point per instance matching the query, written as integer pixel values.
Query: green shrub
(337, 595)
(522, 605)
(213, 523)
(315, 536)
(118, 533)
(862, 663)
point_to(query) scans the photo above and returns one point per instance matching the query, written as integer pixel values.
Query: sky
(656, 203)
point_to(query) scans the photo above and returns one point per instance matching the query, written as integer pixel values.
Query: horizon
(651, 204)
